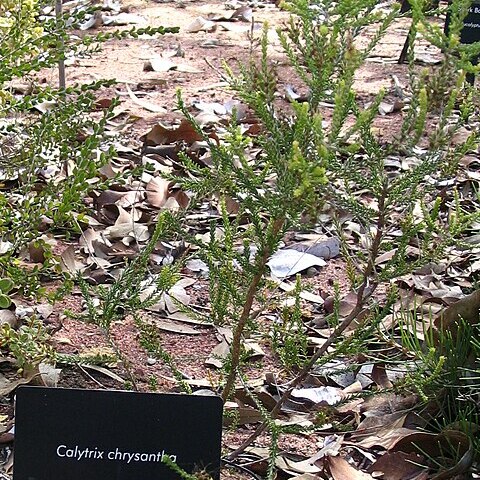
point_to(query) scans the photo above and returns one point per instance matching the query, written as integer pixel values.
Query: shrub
(54, 157)
(313, 159)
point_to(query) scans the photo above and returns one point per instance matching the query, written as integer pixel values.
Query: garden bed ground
(149, 97)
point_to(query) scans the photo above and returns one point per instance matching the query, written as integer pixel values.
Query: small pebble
(151, 361)
(311, 272)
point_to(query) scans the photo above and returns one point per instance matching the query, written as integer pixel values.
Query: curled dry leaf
(108, 197)
(243, 14)
(44, 107)
(44, 310)
(328, 395)
(159, 64)
(163, 64)
(179, 294)
(287, 262)
(380, 377)
(388, 436)
(68, 261)
(196, 265)
(380, 425)
(112, 6)
(157, 191)
(335, 371)
(331, 447)
(306, 476)
(37, 251)
(7, 385)
(123, 18)
(305, 294)
(467, 308)
(434, 444)
(201, 24)
(355, 387)
(182, 200)
(325, 248)
(342, 470)
(5, 246)
(104, 371)
(8, 317)
(161, 135)
(49, 375)
(385, 108)
(291, 94)
(347, 304)
(218, 355)
(185, 68)
(175, 327)
(232, 205)
(124, 225)
(262, 396)
(213, 108)
(242, 415)
(183, 317)
(239, 28)
(144, 104)
(398, 466)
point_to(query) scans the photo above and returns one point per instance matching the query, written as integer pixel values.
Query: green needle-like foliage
(316, 155)
(53, 157)
(124, 296)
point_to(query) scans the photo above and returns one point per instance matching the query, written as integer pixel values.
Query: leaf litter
(382, 433)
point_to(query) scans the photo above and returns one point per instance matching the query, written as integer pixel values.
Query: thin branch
(365, 291)
(61, 46)
(235, 349)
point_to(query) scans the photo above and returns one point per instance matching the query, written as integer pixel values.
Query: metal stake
(60, 46)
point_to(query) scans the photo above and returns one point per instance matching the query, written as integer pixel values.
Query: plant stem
(61, 46)
(235, 349)
(364, 292)
(125, 362)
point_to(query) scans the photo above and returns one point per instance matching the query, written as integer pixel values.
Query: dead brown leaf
(201, 24)
(379, 376)
(327, 395)
(161, 135)
(342, 470)
(397, 466)
(7, 385)
(243, 415)
(170, 326)
(386, 437)
(157, 191)
(68, 261)
(218, 355)
(467, 308)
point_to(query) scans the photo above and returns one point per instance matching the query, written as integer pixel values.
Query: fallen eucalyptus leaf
(467, 308)
(157, 191)
(325, 248)
(218, 355)
(398, 465)
(170, 326)
(328, 395)
(49, 375)
(159, 64)
(287, 262)
(7, 386)
(342, 470)
(104, 371)
(141, 103)
(123, 18)
(8, 317)
(201, 24)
